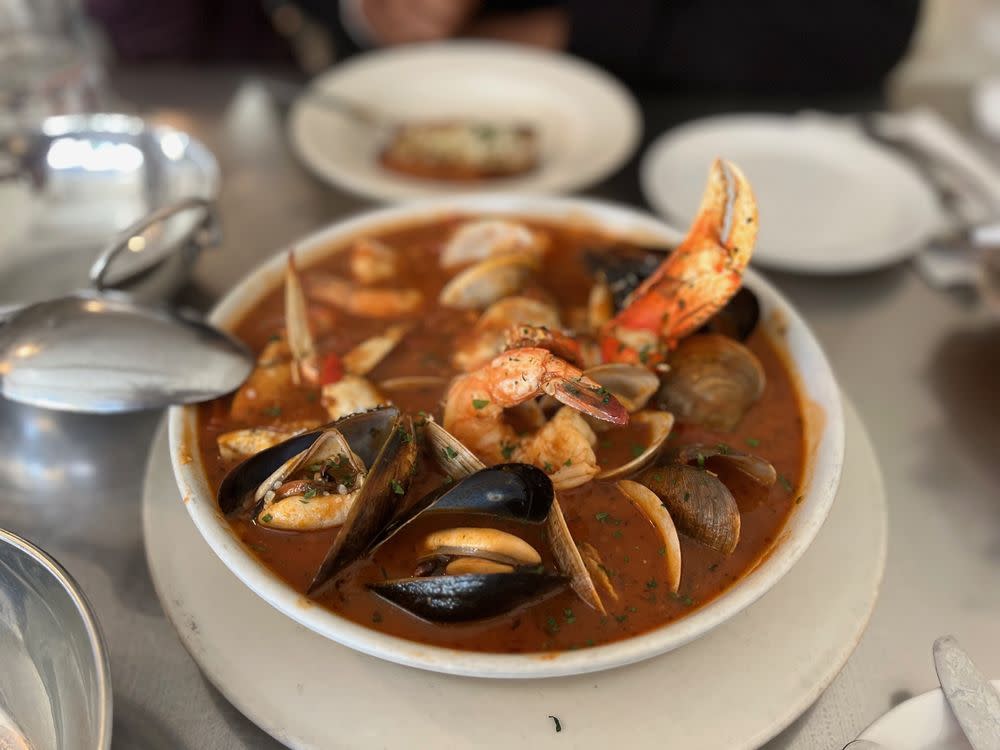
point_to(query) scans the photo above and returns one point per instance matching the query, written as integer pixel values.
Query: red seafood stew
(628, 550)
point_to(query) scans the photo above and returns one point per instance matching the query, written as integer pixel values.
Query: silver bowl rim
(98, 646)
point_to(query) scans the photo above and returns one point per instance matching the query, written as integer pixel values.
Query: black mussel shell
(463, 598)
(738, 318)
(514, 492)
(365, 433)
(382, 493)
(623, 267)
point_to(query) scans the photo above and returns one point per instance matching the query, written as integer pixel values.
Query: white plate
(921, 723)
(734, 688)
(587, 121)
(830, 200)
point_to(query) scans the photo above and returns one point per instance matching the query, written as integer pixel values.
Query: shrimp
(373, 261)
(475, 403)
(365, 302)
(696, 280)
(487, 338)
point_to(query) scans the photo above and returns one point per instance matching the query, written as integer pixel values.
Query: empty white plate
(587, 121)
(831, 201)
(921, 723)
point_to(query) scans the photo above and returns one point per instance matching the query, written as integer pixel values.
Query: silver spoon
(96, 351)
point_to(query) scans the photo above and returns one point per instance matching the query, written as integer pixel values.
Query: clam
(364, 433)
(598, 571)
(373, 261)
(712, 381)
(477, 240)
(660, 423)
(450, 454)
(465, 597)
(481, 285)
(725, 461)
(600, 305)
(381, 496)
(646, 501)
(701, 506)
(632, 385)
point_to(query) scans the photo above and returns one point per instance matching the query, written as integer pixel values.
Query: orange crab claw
(696, 280)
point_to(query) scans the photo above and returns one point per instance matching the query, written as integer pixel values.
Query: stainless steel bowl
(55, 682)
(70, 186)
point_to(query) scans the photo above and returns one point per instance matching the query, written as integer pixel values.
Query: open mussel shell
(660, 423)
(467, 597)
(701, 506)
(623, 267)
(381, 497)
(509, 492)
(364, 432)
(738, 319)
(713, 381)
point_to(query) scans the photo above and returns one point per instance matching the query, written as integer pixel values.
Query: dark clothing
(777, 45)
(794, 46)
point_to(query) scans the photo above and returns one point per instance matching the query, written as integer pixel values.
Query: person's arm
(765, 44)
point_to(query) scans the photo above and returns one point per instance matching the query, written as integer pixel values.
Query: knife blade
(973, 700)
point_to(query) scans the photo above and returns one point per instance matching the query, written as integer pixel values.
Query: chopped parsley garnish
(258, 548)
(449, 452)
(314, 467)
(571, 389)
(683, 599)
(589, 642)
(700, 458)
(753, 442)
(568, 462)
(404, 434)
(621, 618)
(273, 411)
(607, 443)
(651, 583)
(637, 449)
(549, 468)
(267, 518)
(618, 535)
(723, 449)
(644, 354)
(662, 551)
(602, 516)
(625, 558)
(396, 487)
(507, 450)
(785, 483)
(551, 625)
(632, 609)
(569, 616)
(310, 493)
(480, 403)
(376, 617)
(657, 477)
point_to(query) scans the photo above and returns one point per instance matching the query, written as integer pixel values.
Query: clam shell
(480, 239)
(725, 459)
(660, 424)
(449, 453)
(650, 506)
(570, 560)
(713, 380)
(364, 357)
(481, 285)
(699, 503)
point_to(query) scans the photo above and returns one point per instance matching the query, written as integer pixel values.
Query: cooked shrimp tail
(563, 346)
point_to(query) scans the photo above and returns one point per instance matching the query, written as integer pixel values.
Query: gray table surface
(920, 365)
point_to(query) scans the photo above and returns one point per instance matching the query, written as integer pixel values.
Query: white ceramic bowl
(825, 432)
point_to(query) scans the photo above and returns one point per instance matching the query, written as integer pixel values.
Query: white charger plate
(734, 688)
(831, 201)
(587, 121)
(924, 722)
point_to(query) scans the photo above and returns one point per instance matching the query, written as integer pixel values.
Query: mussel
(469, 596)
(712, 381)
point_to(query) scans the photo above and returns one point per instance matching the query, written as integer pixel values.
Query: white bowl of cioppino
(385, 534)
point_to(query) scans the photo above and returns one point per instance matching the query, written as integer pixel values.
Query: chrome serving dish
(73, 183)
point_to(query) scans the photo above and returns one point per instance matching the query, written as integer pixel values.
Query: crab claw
(696, 280)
